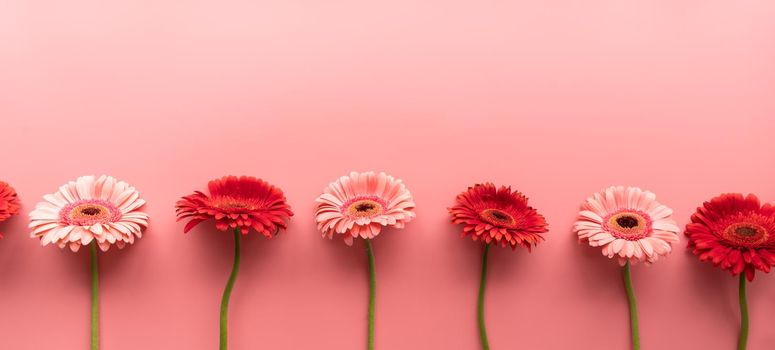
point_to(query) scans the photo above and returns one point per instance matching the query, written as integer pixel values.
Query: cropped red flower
(735, 233)
(9, 202)
(498, 215)
(243, 202)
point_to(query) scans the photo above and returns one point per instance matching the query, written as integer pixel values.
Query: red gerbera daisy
(498, 215)
(240, 203)
(237, 202)
(9, 202)
(735, 233)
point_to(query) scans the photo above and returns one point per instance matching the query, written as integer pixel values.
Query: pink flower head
(628, 223)
(90, 208)
(361, 204)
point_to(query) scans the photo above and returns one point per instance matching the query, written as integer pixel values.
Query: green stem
(372, 294)
(480, 304)
(95, 298)
(742, 342)
(227, 292)
(635, 334)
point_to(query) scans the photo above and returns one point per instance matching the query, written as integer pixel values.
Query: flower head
(628, 223)
(90, 208)
(735, 233)
(243, 202)
(499, 215)
(361, 204)
(9, 202)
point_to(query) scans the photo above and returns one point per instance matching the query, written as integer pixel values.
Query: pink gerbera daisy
(628, 223)
(631, 225)
(89, 209)
(361, 204)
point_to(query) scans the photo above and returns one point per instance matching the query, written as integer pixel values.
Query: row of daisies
(731, 231)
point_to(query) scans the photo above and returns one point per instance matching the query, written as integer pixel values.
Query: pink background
(557, 98)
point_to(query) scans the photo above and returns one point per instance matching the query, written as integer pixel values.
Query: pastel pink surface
(556, 98)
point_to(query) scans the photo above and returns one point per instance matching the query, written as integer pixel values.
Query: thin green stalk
(742, 342)
(480, 304)
(372, 294)
(95, 298)
(635, 333)
(227, 292)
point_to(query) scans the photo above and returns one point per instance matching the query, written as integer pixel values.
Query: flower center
(89, 212)
(627, 221)
(745, 233)
(628, 224)
(365, 207)
(233, 204)
(498, 217)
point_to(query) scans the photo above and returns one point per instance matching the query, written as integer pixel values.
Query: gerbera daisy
(630, 224)
(498, 216)
(100, 209)
(9, 202)
(735, 233)
(95, 211)
(360, 205)
(239, 203)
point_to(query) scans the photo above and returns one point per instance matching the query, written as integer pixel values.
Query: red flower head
(735, 233)
(243, 202)
(9, 202)
(499, 215)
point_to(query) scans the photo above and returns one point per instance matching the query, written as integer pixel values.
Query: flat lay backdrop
(557, 98)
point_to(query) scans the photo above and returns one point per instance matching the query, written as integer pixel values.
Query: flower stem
(95, 297)
(227, 292)
(635, 334)
(742, 342)
(372, 294)
(480, 304)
